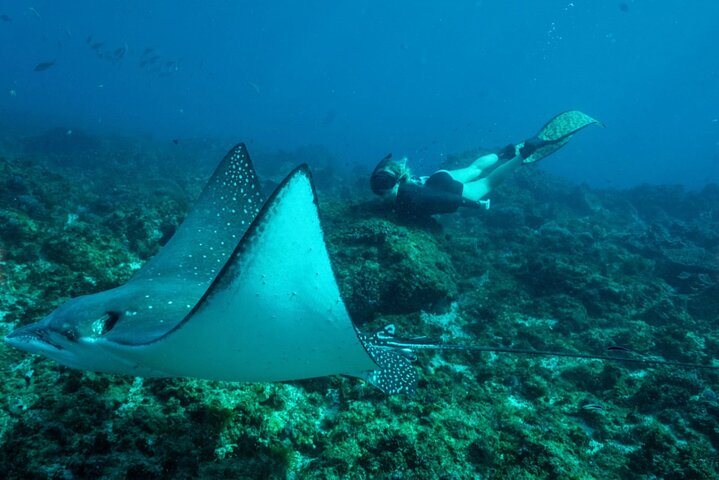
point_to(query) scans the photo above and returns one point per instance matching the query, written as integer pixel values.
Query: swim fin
(557, 132)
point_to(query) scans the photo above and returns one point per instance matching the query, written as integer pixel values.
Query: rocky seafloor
(551, 266)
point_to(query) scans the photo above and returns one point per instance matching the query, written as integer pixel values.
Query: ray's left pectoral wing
(213, 227)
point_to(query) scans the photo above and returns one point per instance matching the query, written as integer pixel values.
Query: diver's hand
(531, 145)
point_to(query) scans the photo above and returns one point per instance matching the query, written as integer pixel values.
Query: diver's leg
(485, 161)
(474, 170)
(475, 191)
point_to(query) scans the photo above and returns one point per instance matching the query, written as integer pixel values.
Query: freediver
(446, 190)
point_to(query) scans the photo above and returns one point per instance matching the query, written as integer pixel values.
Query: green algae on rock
(602, 281)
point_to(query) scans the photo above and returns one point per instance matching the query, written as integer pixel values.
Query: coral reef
(386, 268)
(551, 266)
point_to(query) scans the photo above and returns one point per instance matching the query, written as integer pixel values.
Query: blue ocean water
(113, 115)
(419, 78)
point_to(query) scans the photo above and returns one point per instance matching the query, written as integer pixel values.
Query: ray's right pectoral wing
(274, 312)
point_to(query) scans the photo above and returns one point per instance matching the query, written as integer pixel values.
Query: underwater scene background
(113, 117)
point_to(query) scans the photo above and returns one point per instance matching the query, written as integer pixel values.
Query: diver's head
(388, 174)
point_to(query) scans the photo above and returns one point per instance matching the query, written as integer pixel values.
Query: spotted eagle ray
(243, 291)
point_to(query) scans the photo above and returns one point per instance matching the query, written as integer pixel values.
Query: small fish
(97, 45)
(42, 66)
(170, 67)
(594, 407)
(34, 12)
(617, 348)
(709, 395)
(329, 117)
(88, 40)
(623, 7)
(147, 51)
(175, 141)
(5, 18)
(28, 377)
(120, 52)
(254, 86)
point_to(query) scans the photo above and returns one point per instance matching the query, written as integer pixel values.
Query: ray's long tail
(395, 355)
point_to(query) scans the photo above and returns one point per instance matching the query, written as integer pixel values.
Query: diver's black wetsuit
(439, 194)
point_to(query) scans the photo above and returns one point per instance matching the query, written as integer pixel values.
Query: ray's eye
(69, 334)
(104, 324)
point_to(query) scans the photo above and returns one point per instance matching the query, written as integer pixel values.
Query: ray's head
(69, 335)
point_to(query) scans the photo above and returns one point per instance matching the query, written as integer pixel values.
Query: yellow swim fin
(558, 131)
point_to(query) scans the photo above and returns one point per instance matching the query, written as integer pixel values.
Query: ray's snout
(20, 335)
(31, 338)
